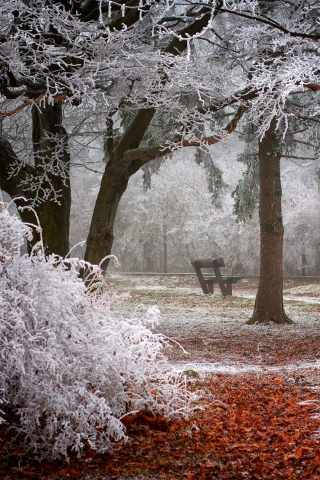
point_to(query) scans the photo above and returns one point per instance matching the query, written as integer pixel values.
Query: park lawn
(257, 414)
(213, 329)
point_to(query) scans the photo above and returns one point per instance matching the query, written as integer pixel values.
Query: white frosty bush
(69, 367)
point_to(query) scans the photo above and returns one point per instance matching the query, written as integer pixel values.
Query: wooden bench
(225, 282)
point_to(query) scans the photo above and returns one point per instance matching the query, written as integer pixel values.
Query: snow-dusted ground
(212, 329)
(292, 297)
(312, 290)
(233, 369)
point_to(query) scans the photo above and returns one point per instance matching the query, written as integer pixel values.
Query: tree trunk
(48, 134)
(50, 140)
(269, 300)
(113, 185)
(165, 248)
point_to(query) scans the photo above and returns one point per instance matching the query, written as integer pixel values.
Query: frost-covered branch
(147, 154)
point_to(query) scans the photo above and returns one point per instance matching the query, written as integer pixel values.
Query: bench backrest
(208, 262)
(215, 264)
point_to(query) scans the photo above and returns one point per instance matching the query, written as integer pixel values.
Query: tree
(272, 105)
(35, 42)
(271, 108)
(269, 301)
(121, 165)
(52, 165)
(65, 51)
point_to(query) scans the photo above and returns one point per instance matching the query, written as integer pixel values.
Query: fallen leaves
(262, 427)
(251, 426)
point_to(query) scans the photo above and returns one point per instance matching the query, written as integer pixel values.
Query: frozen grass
(212, 329)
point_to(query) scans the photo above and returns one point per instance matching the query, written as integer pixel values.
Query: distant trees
(180, 221)
(198, 227)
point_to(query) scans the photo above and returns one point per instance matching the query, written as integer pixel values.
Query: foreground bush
(69, 367)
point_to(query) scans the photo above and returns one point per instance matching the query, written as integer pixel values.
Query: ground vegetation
(258, 410)
(71, 369)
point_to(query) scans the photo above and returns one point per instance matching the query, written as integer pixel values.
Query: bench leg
(229, 289)
(210, 288)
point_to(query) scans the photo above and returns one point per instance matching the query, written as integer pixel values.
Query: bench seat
(234, 279)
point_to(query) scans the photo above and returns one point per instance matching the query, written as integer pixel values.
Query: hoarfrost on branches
(50, 163)
(70, 368)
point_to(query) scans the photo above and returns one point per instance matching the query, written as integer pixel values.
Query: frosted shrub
(69, 367)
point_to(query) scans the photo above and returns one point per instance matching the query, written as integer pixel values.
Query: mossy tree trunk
(269, 300)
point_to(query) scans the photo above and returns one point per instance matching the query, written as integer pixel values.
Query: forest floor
(259, 412)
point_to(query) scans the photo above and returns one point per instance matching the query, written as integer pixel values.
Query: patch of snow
(236, 368)
(302, 299)
(149, 287)
(311, 290)
(288, 297)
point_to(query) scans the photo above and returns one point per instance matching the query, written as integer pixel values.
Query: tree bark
(269, 300)
(113, 185)
(54, 217)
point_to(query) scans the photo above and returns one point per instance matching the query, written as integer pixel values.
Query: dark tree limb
(150, 153)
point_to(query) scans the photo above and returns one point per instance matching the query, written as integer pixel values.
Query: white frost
(70, 368)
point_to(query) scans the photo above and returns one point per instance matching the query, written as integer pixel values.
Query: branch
(90, 10)
(133, 135)
(245, 95)
(25, 92)
(242, 96)
(150, 153)
(309, 119)
(272, 23)
(32, 102)
(313, 86)
(297, 158)
(179, 43)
